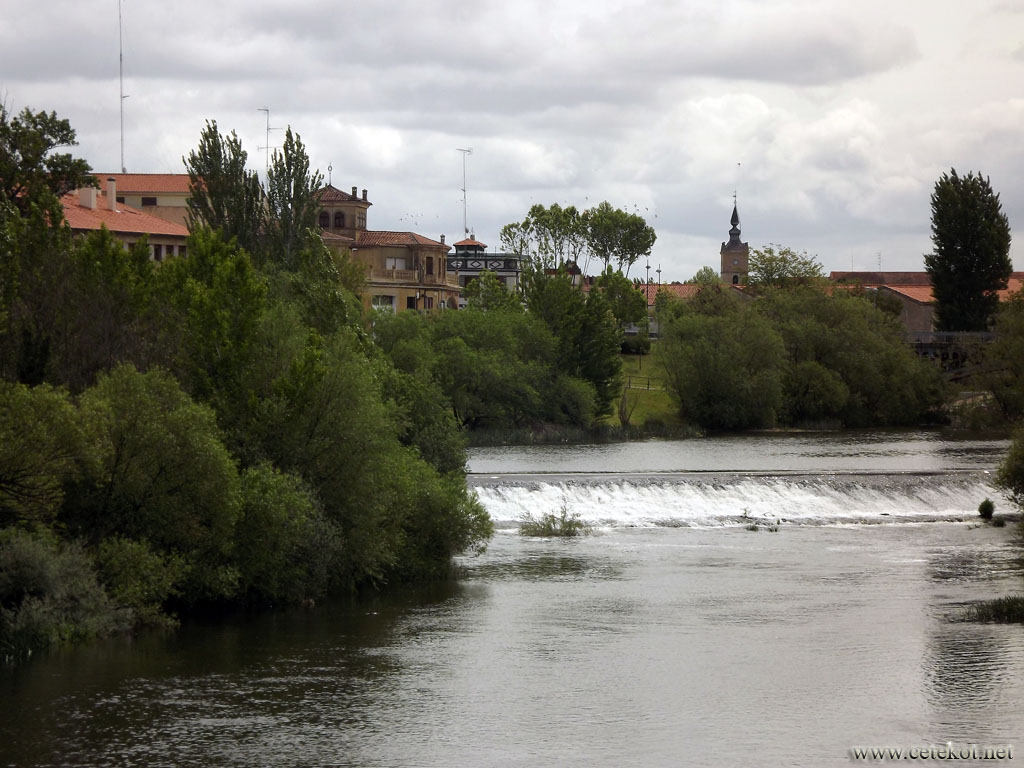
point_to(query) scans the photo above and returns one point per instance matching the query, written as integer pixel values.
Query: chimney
(355, 192)
(364, 195)
(442, 239)
(112, 193)
(87, 197)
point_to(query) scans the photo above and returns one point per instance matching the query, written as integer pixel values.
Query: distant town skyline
(830, 122)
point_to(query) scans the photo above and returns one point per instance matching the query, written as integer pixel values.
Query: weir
(730, 499)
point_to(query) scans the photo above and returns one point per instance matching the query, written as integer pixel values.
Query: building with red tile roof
(404, 270)
(159, 194)
(917, 302)
(89, 209)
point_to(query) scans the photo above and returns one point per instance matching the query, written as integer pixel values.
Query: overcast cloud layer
(830, 119)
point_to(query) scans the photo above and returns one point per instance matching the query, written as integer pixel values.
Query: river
(675, 635)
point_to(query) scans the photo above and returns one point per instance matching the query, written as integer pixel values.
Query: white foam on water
(805, 501)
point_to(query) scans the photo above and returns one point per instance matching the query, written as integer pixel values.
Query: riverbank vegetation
(796, 356)
(214, 431)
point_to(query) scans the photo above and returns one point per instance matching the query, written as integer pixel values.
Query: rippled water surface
(667, 638)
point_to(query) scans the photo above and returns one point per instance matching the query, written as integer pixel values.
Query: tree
(724, 371)
(223, 195)
(776, 266)
(706, 276)
(613, 234)
(627, 303)
(291, 201)
(489, 294)
(971, 260)
(548, 236)
(28, 165)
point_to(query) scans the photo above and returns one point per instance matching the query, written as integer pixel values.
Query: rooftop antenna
(465, 224)
(267, 148)
(120, 66)
(330, 168)
(658, 270)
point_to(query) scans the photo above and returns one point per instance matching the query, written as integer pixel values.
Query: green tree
(971, 260)
(775, 266)
(1004, 359)
(223, 195)
(292, 201)
(615, 235)
(40, 446)
(1011, 472)
(28, 164)
(627, 303)
(706, 276)
(548, 236)
(846, 361)
(724, 371)
(157, 471)
(489, 294)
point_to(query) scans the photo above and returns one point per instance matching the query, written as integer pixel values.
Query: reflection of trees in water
(972, 565)
(549, 567)
(966, 678)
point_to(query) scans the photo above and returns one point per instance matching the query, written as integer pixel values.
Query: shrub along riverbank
(214, 431)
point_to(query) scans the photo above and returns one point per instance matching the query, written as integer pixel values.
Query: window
(149, 201)
(430, 265)
(120, 198)
(362, 221)
(157, 255)
(735, 279)
(392, 262)
(428, 302)
(181, 251)
(168, 251)
(383, 302)
(339, 220)
(410, 303)
(325, 220)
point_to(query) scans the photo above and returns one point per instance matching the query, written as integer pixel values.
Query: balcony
(415, 277)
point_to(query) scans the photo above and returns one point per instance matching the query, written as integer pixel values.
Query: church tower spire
(735, 253)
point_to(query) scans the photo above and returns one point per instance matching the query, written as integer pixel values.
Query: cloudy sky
(831, 119)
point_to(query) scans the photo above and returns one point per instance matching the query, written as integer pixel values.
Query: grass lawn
(646, 395)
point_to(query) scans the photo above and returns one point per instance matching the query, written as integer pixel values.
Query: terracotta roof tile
(134, 183)
(408, 239)
(125, 220)
(890, 278)
(331, 194)
(923, 293)
(676, 290)
(469, 243)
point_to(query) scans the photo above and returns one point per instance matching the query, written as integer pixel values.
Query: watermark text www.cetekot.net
(947, 751)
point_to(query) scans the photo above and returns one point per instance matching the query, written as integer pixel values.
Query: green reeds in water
(563, 524)
(1002, 610)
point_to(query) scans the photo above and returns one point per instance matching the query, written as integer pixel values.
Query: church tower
(735, 254)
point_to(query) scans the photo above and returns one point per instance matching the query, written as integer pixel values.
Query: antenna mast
(120, 65)
(465, 224)
(266, 170)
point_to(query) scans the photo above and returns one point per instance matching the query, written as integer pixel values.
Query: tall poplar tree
(971, 260)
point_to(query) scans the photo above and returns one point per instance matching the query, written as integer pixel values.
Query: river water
(675, 635)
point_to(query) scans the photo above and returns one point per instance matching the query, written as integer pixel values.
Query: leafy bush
(563, 524)
(986, 508)
(137, 578)
(49, 594)
(639, 344)
(1010, 477)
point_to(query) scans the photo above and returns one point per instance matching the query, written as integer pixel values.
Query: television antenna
(465, 221)
(120, 68)
(267, 147)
